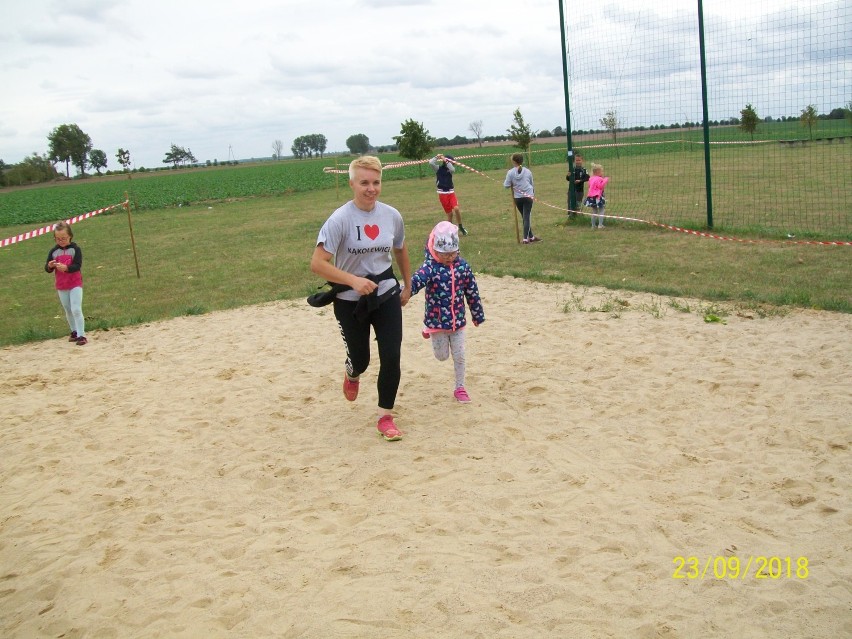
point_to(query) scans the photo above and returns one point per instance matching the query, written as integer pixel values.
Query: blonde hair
(597, 167)
(365, 162)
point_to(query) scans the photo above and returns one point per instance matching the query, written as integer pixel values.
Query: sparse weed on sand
(712, 312)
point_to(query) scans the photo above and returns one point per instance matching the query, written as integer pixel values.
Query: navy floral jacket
(447, 288)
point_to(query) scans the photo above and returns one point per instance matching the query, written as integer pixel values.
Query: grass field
(765, 188)
(199, 258)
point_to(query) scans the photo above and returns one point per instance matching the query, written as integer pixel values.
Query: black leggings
(386, 321)
(524, 205)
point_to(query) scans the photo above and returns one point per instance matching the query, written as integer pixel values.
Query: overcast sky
(230, 77)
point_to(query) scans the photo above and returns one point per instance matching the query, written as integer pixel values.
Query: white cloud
(216, 75)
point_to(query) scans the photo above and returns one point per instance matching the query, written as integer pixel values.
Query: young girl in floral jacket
(448, 281)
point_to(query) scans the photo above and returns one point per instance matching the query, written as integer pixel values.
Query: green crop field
(751, 182)
(267, 216)
(202, 258)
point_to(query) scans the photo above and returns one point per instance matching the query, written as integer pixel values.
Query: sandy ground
(204, 477)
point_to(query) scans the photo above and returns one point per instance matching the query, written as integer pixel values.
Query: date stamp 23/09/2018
(756, 567)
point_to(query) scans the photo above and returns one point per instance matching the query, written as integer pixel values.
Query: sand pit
(204, 477)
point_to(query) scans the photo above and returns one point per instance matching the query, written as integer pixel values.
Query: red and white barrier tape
(620, 217)
(49, 229)
(588, 147)
(720, 237)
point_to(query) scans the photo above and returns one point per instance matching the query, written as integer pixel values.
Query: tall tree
(277, 147)
(475, 127)
(31, 170)
(749, 120)
(809, 118)
(301, 148)
(610, 123)
(97, 160)
(69, 144)
(123, 158)
(178, 155)
(317, 142)
(521, 134)
(358, 144)
(414, 142)
(309, 145)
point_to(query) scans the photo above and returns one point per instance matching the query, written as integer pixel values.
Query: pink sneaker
(388, 429)
(350, 388)
(461, 394)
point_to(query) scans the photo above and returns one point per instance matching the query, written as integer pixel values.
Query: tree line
(749, 119)
(306, 146)
(69, 144)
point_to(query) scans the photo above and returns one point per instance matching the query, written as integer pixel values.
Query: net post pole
(707, 177)
(572, 195)
(132, 239)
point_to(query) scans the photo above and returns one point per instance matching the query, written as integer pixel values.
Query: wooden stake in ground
(515, 209)
(132, 240)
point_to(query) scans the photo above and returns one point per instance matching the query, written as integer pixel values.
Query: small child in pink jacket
(595, 199)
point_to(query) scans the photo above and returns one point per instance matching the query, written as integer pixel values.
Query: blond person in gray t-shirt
(356, 247)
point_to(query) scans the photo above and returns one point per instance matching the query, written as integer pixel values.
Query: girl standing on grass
(448, 281)
(595, 200)
(65, 260)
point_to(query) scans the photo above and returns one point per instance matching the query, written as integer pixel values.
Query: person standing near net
(595, 200)
(355, 250)
(65, 261)
(520, 180)
(444, 168)
(577, 181)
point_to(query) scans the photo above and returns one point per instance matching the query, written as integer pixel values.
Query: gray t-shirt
(362, 242)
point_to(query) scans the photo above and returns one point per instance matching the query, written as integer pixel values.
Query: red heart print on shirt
(372, 231)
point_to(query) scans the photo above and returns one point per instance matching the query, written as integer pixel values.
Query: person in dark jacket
(444, 167)
(577, 181)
